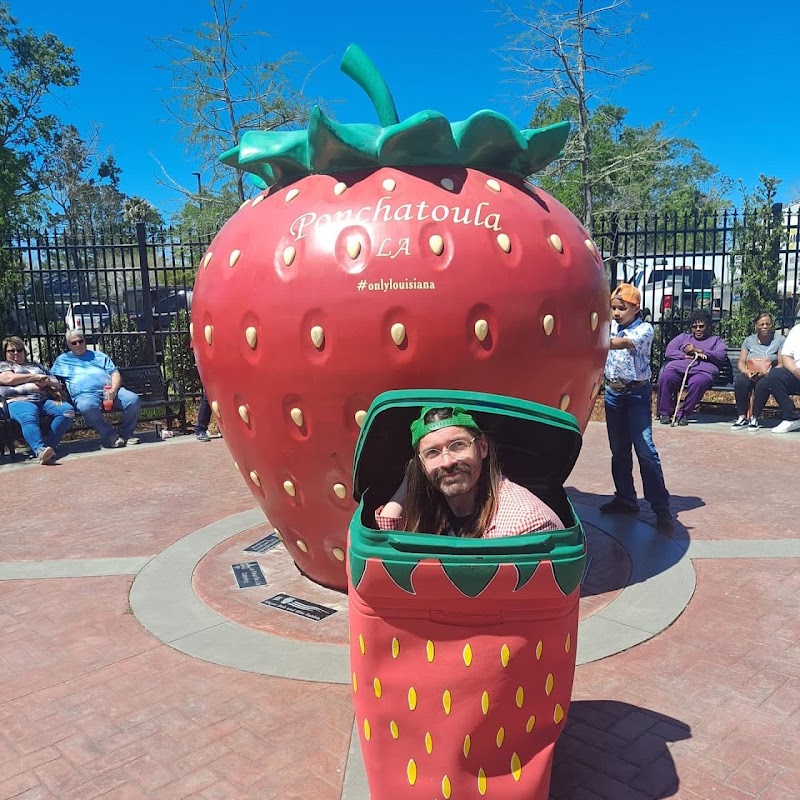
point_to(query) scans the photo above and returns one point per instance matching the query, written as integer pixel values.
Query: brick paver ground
(92, 706)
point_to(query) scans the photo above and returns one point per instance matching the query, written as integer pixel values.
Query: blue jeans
(91, 406)
(203, 416)
(62, 417)
(629, 425)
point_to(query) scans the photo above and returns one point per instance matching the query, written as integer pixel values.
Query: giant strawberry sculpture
(406, 254)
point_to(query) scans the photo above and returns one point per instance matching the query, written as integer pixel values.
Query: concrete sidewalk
(182, 687)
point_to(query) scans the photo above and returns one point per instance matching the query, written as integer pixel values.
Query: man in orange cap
(628, 404)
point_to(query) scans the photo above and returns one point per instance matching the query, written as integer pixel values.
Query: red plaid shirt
(518, 511)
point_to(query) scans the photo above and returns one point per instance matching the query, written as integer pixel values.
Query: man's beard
(454, 480)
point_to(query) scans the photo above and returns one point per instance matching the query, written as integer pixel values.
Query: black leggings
(742, 387)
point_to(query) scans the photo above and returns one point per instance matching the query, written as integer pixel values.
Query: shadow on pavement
(614, 749)
(650, 552)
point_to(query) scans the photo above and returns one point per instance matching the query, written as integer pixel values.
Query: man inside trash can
(453, 486)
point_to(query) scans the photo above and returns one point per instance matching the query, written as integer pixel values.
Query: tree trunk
(583, 119)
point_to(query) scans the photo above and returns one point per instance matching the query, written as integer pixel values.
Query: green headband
(459, 417)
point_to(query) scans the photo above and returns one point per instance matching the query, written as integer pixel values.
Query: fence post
(147, 300)
(614, 250)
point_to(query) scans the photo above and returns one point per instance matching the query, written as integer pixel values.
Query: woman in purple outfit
(702, 354)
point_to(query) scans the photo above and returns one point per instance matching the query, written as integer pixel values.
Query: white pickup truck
(682, 284)
(666, 289)
(91, 317)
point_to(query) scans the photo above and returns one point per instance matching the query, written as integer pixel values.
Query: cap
(459, 417)
(628, 294)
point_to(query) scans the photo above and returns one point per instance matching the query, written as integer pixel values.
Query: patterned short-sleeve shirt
(631, 365)
(23, 391)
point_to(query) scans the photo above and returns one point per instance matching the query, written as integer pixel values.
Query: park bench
(728, 372)
(727, 375)
(165, 397)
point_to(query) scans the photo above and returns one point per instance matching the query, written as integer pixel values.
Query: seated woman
(30, 390)
(699, 352)
(453, 485)
(759, 355)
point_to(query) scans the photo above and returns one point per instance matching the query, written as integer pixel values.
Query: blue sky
(725, 76)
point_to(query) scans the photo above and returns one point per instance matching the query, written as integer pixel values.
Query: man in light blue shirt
(87, 372)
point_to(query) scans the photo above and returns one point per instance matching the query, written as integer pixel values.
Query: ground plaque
(248, 575)
(263, 545)
(303, 608)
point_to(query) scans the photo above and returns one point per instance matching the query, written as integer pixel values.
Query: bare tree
(563, 50)
(221, 87)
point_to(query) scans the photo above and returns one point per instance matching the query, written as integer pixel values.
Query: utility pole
(199, 190)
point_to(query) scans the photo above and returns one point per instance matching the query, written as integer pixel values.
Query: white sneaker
(787, 426)
(132, 440)
(739, 424)
(46, 455)
(754, 424)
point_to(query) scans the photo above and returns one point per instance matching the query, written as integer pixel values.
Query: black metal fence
(680, 263)
(130, 291)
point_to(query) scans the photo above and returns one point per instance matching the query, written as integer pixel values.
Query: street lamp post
(199, 190)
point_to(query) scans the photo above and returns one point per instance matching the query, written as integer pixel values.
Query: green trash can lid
(538, 445)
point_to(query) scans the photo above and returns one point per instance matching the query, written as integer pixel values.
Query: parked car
(668, 289)
(91, 317)
(165, 310)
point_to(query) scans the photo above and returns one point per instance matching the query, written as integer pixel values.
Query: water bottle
(108, 399)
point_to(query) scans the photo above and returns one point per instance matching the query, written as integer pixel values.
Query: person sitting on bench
(699, 352)
(87, 372)
(750, 388)
(30, 391)
(784, 381)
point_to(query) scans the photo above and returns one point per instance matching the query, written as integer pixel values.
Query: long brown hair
(426, 508)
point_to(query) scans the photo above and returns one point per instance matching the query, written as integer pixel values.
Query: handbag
(760, 365)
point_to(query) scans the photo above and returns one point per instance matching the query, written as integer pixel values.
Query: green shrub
(178, 356)
(123, 343)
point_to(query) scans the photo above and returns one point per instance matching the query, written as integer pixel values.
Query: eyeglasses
(457, 450)
(14, 350)
(698, 325)
(76, 341)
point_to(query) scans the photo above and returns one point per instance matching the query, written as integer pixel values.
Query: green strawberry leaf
(333, 146)
(524, 574)
(568, 573)
(471, 579)
(401, 574)
(486, 140)
(357, 567)
(487, 136)
(426, 135)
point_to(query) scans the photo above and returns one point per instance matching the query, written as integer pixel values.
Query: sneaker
(665, 523)
(617, 506)
(46, 455)
(119, 442)
(682, 421)
(754, 424)
(132, 440)
(202, 436)
(787, 426)
(665, 419)
(742, 422)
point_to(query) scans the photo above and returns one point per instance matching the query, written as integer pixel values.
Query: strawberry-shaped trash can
(463, 650)
(409, 253)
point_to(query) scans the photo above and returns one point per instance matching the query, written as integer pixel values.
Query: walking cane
(680, 391)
